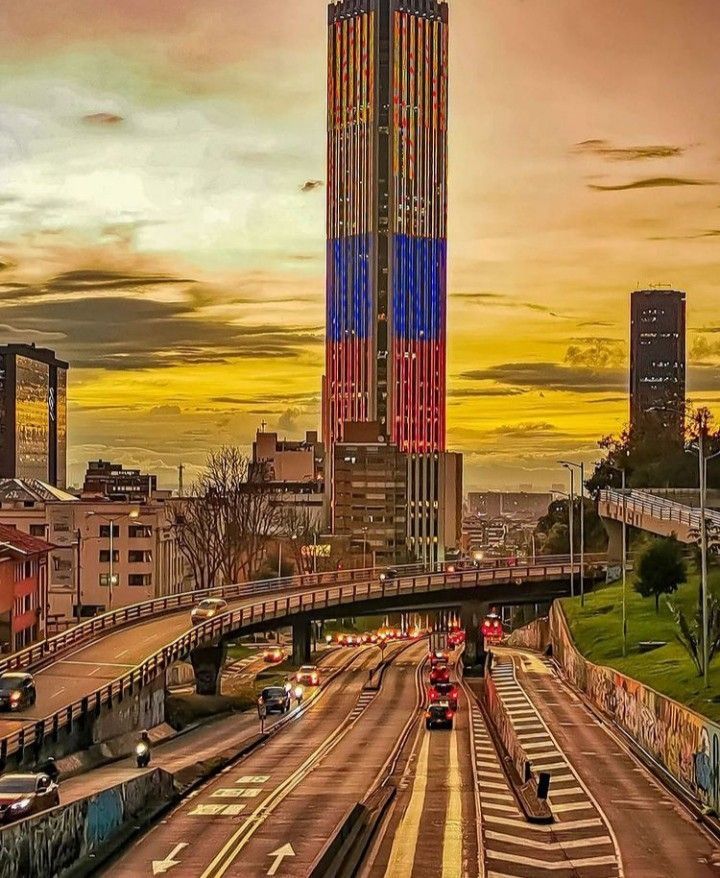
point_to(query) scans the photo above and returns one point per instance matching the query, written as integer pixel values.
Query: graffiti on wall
(684, 742)
(56, 841)
(141, 710)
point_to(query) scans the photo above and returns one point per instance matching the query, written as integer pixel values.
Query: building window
(105, 556)
(140, 531)
(37, 530)
(139, 556)
(105, 531)
(140, 579)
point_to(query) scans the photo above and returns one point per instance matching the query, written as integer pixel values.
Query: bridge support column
(471, 617)
(614, 550)
(301, 640)
(207, 662)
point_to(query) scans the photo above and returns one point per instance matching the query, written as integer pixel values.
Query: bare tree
(298, 524)
(196, 534)
(224, 526)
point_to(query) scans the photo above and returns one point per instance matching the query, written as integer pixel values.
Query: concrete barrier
(683, 743)
(72, 839)
(535, 635)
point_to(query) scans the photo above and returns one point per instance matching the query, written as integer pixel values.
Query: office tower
(33, 414)
(386, 240)
(386, 220)
(657, 360)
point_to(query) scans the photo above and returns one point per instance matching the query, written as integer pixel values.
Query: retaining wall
(66, 839)
(504, 727)
(685, 743)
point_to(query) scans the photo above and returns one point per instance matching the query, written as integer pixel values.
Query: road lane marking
(453, 839)
(226, 794)
(59, 692)
(159, 867)
(605, 860)
(285, 851)
(253, 778)
(402, 855)
(94, 664)
(548, 845)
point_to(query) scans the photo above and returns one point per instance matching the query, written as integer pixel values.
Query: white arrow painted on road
(285, 851)
(160, 867)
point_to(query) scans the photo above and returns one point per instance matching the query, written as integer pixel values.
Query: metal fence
(267, 611)
(643, 503)
(85, 632)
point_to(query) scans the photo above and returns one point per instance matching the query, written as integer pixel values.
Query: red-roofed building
(23, 587)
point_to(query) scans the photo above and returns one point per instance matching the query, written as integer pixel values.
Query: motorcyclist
(142, 749)
(51, 770)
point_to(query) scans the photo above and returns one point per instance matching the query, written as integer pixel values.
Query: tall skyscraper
(33, 414)
(386, 220)
(657, 359)
(387, 120)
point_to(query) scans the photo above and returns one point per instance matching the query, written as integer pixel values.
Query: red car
(456, 638)
(444, 692)
(439, 674)
(439, 656)
(492, 628)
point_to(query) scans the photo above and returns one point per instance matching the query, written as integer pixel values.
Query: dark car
(439, 674)
(439, 716)
(388, 575)
(439, 657)
(17, 691)
(275, 699)
(444, 692)
(24, 794)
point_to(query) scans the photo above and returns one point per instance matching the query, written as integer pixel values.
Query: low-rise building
(86, 574)
(112, 480)
(23, 588)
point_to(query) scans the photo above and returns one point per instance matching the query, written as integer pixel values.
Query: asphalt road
(88, 668)
(652, 832)
(432, 830)
(272, 813)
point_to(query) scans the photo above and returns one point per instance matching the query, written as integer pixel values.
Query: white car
(206, 609)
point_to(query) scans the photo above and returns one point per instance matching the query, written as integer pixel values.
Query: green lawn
(597, 631)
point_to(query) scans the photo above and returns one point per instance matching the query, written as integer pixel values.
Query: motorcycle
(142, 754)
(299, 692)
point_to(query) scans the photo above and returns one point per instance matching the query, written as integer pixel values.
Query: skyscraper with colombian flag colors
(387, 113)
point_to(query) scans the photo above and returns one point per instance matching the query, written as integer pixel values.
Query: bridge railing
(643, 503)
(85, 632)
(268, 610)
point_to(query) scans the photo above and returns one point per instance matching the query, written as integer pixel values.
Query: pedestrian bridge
(651, 512)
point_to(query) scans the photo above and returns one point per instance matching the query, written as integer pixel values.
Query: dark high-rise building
(387, 128)
(33, 414)
(386, 220)
(657, 359)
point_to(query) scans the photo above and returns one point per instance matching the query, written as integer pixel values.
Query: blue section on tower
(349, 288)
(419, 284)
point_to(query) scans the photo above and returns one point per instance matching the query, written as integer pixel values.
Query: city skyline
(206, 249)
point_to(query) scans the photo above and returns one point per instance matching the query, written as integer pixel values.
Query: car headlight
(20, 805)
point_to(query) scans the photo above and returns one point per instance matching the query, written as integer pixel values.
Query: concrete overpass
(131, 649)
(652, 512)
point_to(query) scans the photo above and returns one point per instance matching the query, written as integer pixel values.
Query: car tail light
(449, 714)
(496, 624)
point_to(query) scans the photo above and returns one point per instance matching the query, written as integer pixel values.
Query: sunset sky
(162, 210)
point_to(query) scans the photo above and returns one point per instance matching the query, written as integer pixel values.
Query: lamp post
(571, 517)
(111, 519)
(365, 532)
(702, 476)
(569, 465)
(624, 556)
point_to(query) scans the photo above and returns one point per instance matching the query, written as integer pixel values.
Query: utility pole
(181, 470)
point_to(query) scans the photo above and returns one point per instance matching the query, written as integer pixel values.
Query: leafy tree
(661, 569)
(553, 529)
(653, 458)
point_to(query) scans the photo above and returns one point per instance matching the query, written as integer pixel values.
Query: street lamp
(571, 516)
(365, 533)
(111, 519)
(703, 458)
(624, 557)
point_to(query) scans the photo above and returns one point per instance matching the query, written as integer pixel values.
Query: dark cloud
(694, 236)
(105, 329)
(288, 420)
(481, 392)
(651, 183)
(704, 378)
(311, 185)
(595, 353)
(103, 119)
(606, 150)
(164, 410)
(477, 297)
(551, 376)
(534, 428)
(591, 324)
(497, 299)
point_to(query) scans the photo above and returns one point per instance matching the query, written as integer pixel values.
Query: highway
(284, 800)
(454, 814)
(81, 672)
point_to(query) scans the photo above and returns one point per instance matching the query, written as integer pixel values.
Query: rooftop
(21, 543)
(31, 490)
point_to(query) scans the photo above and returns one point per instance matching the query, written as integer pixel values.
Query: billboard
(32, 415)
(60, 404)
